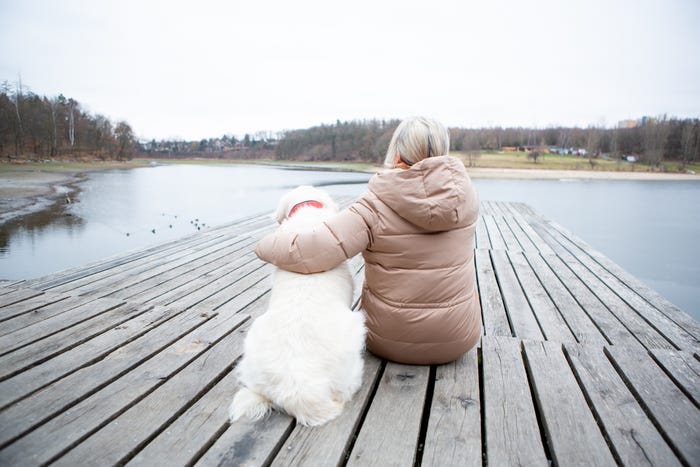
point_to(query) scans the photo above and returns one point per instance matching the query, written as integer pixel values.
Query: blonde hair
(415, 139)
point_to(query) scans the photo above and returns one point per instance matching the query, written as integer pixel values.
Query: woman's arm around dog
(322, 248)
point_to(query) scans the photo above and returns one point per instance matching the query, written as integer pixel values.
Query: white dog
(305, 354)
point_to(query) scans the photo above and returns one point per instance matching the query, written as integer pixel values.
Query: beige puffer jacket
(415, 229)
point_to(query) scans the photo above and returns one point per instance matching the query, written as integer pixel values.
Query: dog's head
(300, 195)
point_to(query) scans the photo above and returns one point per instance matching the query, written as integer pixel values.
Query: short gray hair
(417, 138)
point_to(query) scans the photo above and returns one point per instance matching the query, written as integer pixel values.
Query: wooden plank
(54, 304)
(683, 368)
(564, 409)
(189, 434)
(57, 324)
(519, 312)
(512, 435)
(247, 443)
(141, 422)
(534, 237)
(113, 280)
(327, 445)
(95, 362)
(660, 322)
(684, 320)
(632, 435)
(609, 325)
(20, 314)
(495, 319)
(42, 350)
(184, 283)
(580, 324)
(226, 291)
(672, 411)
(481, 235)
(552, 324)
(10, 313)
(511, 242)
(485, 208)
(119, 260)
(645, 333)
(389, 434)
(495, 237)
(454, 426)
(16, 296)
(523, 239)
(57, 435)
(183, 273)
(497, 208)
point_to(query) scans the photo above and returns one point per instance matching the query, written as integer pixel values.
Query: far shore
(32, 187)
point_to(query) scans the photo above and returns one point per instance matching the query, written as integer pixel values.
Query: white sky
(199, 69)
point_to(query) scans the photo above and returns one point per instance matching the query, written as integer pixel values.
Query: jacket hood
(435, 194)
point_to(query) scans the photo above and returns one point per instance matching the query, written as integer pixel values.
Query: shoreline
(555, 174)
(32, 188)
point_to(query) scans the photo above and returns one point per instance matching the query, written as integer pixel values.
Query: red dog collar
(303, 204)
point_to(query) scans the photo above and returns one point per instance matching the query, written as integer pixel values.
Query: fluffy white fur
(305, 354)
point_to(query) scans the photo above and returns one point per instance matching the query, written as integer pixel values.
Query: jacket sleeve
(321, 248)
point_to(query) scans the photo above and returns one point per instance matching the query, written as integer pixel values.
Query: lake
(650, 228)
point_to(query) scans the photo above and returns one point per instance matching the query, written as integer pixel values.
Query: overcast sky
(196, 69)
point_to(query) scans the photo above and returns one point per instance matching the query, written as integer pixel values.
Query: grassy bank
(519, 160)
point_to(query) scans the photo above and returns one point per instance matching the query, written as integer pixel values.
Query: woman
(415, 229)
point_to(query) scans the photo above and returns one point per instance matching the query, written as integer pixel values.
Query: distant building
(627, 124)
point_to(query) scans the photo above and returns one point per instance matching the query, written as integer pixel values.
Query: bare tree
(592, 145)
(690, 142)
(470, 144)
(655, 133)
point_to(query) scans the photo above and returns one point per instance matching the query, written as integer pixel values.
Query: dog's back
(304, 355)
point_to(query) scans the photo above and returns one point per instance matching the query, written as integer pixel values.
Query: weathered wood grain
(16, 296)
(389, 434)
(672, 411)
(548, 317)
(56, 383)
(646, 334)
(495, 237)
(481, 235)
(511, 242)
(519, 312)
(189, 435)
(86, 315)
(328, 444)
(512, 435)
(141, 422)
(13, 316)
(683, 368)
(564, 409)
(579, 322)
(684, 320)
(249, 443)
(57, 435)
(660, 322)
(454, 427)
(495, 319)
(632, 435)
(609, 325)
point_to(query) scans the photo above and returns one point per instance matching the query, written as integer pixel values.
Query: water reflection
(38, 224)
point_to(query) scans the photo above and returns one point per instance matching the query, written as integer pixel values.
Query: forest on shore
(34, 127)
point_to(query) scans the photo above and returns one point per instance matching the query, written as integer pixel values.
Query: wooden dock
(129, 361)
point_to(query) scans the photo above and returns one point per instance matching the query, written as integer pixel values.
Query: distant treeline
(650, 140)
(39, 127)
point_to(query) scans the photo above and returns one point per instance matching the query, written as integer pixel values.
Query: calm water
(650, 228)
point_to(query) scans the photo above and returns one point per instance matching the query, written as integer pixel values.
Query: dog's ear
(283, 207)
